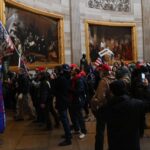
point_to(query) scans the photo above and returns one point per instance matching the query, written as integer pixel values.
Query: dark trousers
(100, 129)
(142, 124)
(65, 122)
(78, 119)
(86, 108)
(45, 116)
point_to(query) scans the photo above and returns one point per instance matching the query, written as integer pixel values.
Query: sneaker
(65, 143)
(82, 136)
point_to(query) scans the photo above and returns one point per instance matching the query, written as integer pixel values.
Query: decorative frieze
(113, 5)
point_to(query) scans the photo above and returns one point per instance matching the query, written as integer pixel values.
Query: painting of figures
(35, 36)
(118, 39)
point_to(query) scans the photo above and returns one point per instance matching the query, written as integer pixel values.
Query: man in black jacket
(123, 115)
(44, 101)
(62, 87)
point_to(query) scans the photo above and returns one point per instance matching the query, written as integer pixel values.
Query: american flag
(7, 47)
(98, 62)
(6, 43)
(2, 35)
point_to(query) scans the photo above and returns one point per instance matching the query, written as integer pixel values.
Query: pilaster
(75, 31)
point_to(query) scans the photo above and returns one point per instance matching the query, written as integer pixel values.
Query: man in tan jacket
(100, 98)
(102, 91)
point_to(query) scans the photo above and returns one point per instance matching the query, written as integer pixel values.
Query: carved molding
(113, 5)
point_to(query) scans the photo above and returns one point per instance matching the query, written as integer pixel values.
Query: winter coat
(62, 87)
(78, 91)
(122, 115)
(102, 93)
(45, 92)
(23, 84)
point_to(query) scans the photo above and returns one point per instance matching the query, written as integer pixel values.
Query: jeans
(65, 122)
(77, 118)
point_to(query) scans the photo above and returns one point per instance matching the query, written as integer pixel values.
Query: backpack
(95, 101)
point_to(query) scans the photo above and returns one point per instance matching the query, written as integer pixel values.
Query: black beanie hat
(118, 88)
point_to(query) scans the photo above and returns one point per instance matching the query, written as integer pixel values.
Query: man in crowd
(122, 115)
(62, 87)
(23, 96)
(99, 100)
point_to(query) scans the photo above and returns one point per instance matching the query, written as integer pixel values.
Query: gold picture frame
(100, 26)
(54, 21)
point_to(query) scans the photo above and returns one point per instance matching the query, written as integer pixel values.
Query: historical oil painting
(36, 37)
(118, 39)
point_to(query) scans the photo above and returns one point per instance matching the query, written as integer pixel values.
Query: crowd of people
(117, 95)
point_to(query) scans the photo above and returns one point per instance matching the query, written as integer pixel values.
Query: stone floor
(26, 135)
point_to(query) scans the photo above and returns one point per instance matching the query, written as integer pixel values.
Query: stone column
(146, 28)
(75, 31)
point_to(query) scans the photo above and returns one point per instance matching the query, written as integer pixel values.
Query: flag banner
(6, 45)
(2, 35)
(98, 61)
(106, 51)
(7, 48)
(19, 62)
(2, 111)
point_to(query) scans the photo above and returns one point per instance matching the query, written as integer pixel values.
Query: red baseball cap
(105, 67)
(73, 65)
(41, 68)
(83, 74)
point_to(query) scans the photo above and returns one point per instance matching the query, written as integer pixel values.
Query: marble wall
(76, 12)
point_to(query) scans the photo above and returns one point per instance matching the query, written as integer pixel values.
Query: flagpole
(19, 54)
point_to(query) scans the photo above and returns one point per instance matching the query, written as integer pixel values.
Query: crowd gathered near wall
(118, 96)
